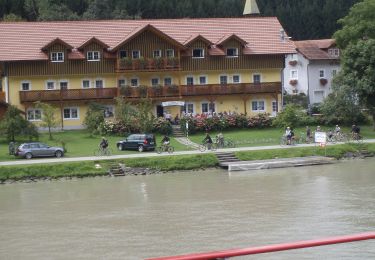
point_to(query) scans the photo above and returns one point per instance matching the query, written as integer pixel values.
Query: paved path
(151, 154)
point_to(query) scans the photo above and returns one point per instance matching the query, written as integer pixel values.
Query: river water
(136, 217)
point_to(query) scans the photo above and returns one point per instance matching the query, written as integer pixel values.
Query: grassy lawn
(86, 169)
(80, 143)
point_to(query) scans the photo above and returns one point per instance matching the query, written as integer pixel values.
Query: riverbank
(153, 165)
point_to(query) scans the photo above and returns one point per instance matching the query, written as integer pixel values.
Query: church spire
(251, 8)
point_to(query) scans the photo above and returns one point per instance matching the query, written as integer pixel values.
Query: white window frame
(232, 56)
(70, 113)
(138, 54)
(324, 74)
(258, 110)
(64, 81)
(168, 52)
(156, 53)
(25, 82)
(123, 51)
(51, 81)
(186, 80)
(118, 82)
(208, 103)
(205, 79)
(131, 83)
(93, 54)
(223, 75)
(111, 109)
(168, 78)
(83, 80)
(34, 110)
(186, 107)
(197, 57)
(155, 78)
(239, 78)
(334, 72)
(99, 79)
(57, 56)
(293, 76)
(260, 78)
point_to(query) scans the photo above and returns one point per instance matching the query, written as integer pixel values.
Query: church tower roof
(251, 8)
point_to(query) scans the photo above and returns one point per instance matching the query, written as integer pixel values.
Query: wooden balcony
(147, 64)
(68, 94)
(163, 92)
(2, 96)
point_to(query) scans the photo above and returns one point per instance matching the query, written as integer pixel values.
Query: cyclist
(208, 140)
(103, 144)
(330, 135)
(165, 140)
(355, 132)
(288, 134)
(220, 139)
(337, 130)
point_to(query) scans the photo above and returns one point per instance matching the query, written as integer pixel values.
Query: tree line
(302, 19)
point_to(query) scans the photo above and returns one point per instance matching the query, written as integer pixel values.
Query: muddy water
(149, 216)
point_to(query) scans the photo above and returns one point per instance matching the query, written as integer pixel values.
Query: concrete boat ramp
(276, 163)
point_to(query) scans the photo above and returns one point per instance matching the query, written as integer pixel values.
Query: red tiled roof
(91, 40)
(24, 40)
(230, 36)
(313, 49)
(54, 41)
(215, 51)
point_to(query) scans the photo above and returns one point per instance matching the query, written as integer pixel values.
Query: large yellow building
(191, 65)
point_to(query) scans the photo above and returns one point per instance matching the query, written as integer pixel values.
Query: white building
(311, 69)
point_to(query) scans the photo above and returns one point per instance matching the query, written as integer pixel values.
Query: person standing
(308, 134)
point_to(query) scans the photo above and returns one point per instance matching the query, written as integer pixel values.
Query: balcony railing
(68, 94)
(148, 64)
(2, 96)
(200, 90)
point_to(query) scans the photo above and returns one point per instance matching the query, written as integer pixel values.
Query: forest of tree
(302, 19)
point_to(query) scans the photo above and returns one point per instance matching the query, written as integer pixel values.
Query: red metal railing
(68, 94)
(271, 248)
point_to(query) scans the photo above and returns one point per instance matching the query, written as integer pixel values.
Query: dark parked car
(36, 149)
(140, 142)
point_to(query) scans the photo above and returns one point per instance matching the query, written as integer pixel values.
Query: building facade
(312, 69)
(182, 65)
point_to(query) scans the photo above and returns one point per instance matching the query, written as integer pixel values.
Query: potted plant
(293, 82)
(142, 91)
(126, 62)
(158, 62)
(323, 81)
(142, 62)
(292, 62)
(125, 90)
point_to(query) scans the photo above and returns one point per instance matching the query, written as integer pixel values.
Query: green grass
(336, 151)
(80, 143)
(85, 169)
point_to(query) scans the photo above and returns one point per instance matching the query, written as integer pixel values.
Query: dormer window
(232, 52)
(334, 52)
(198, 53)
(93, 56)
(57, 56)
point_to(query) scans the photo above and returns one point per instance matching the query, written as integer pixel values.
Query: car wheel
(140, 148)
(28, 156)
(58, 154)
(120, 147)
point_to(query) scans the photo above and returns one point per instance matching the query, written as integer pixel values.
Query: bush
(94, 118)
(163, 126)
(291, 116)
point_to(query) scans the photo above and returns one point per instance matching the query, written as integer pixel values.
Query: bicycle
(207, 146)
(164, 148)
(284, 141)
(103, 151)
(341, 137)
(356, 137)
(226, 143)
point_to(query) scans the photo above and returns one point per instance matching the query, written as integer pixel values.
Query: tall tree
(48, 116)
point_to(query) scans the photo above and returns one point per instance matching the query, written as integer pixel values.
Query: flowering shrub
(163, 126)
(222, 122)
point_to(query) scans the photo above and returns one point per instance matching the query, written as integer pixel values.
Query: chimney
(282, 35)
